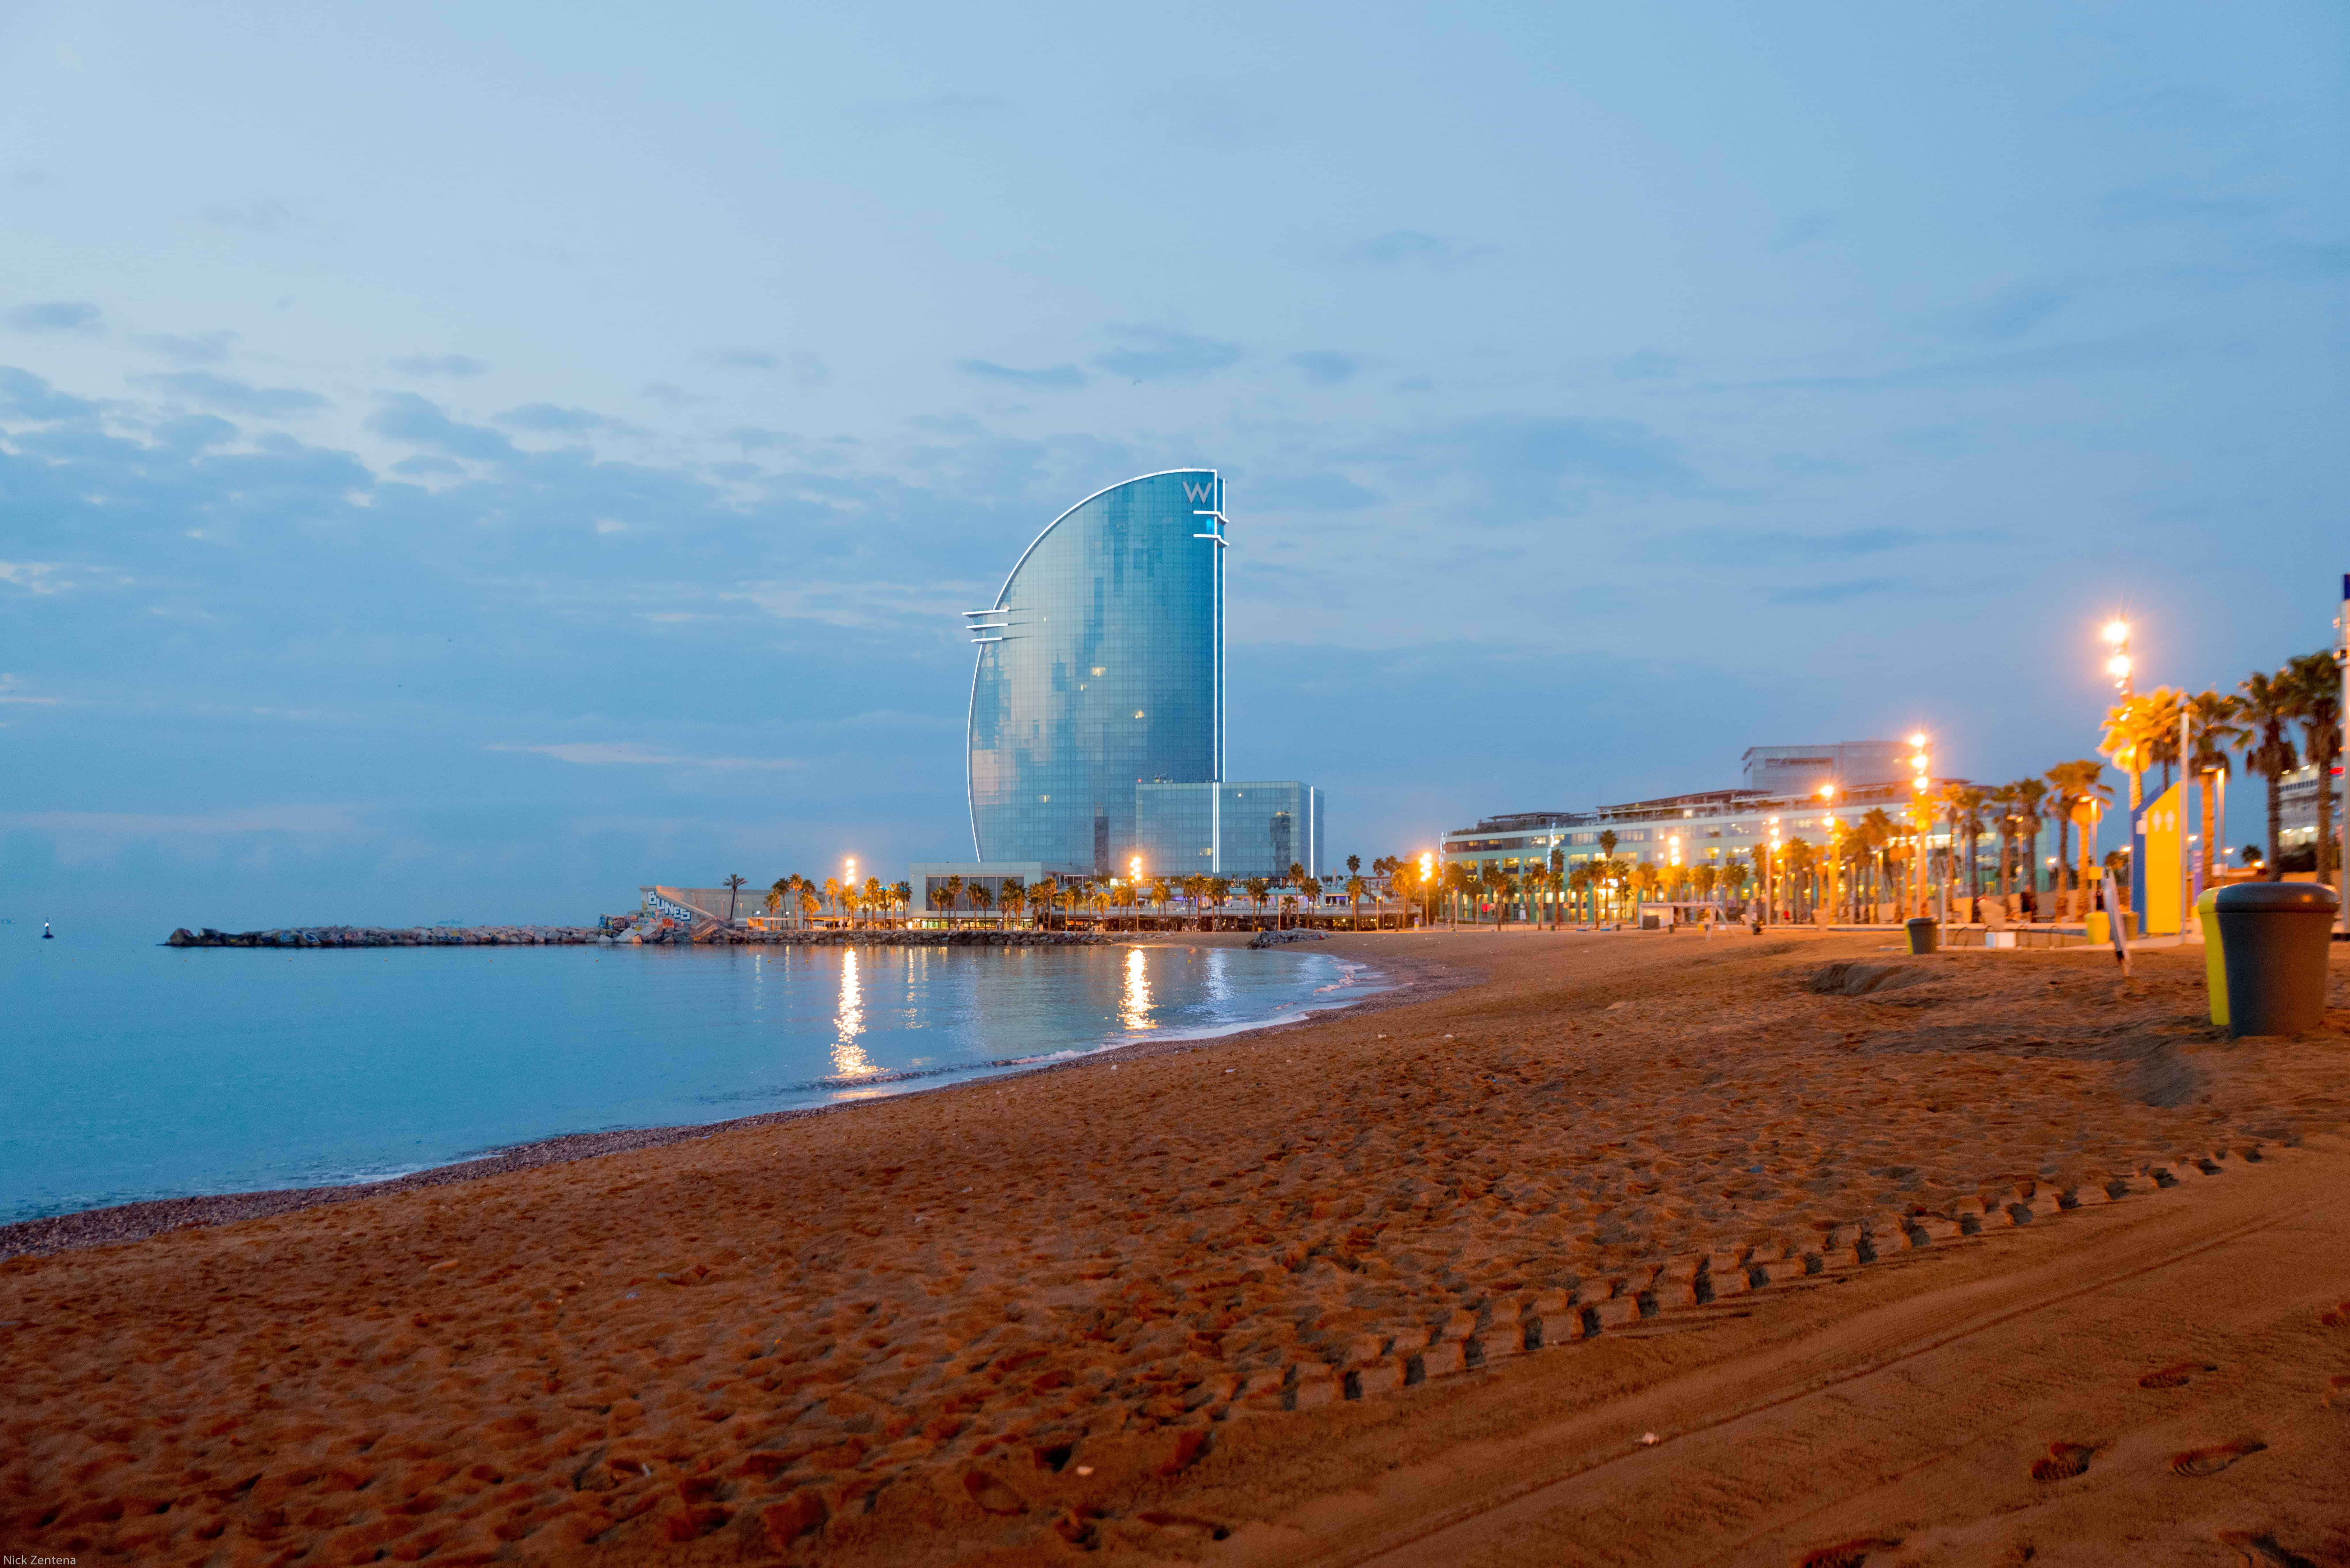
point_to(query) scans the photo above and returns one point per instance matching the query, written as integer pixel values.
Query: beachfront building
(1098, 699)
(1815, 792)
(1240, 829)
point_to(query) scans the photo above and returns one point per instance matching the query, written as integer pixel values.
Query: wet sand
(1206, 1301)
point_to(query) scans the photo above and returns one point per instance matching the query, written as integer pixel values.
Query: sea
(131, 1071)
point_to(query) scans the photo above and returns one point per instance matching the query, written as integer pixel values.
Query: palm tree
(873, 899)
(2269, 704)
(832, 892)
(981, 899)
(774, 899)
(1257, 887)
(2069, 784)
(2317, 681)
(1607, 842)
(954, 896)
(735, 883)
(1014, 897)
(1356, 889)
(2218, 730)
(2029, 792)
(1219, 889)
(901, 896)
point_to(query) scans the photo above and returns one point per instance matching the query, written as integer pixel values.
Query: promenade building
(1096, 720)
(1782, 795)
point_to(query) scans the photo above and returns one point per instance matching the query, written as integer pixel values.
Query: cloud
(1836, 593)
(262, 217)
(28, 396)
(1524, 464)
(404, 415)
(311, 820)
(9, 691)
(1050, 376)
(55, 316)
(2009, 313)
(439, 365)
(741, 359)
(428, 468)
(670, 395)
(548, 419)
(34, 577)
(199, 348)
(2053, 358)
(1646, 365)
(234, 396)
(1326, 367)
(608, 753)
(876, 605)
(1155, 354)
(1768, 546)
(1410, 247)
(1303, 492)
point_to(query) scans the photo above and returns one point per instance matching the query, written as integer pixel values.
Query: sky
(466, 461)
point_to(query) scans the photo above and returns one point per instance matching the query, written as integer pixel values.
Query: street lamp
(849, 885)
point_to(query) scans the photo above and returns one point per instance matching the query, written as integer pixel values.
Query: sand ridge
(1008, 1316)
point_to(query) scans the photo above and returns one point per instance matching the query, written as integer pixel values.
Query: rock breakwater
(383, 937)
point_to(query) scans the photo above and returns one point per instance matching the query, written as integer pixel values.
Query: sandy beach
(1409, 1282)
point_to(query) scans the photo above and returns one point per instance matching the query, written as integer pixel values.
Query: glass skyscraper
(1100, 667)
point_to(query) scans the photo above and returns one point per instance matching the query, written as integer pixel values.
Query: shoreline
(119, 1224)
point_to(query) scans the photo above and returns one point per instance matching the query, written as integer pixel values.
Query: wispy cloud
(938, 109)
(27, 397)
(1766, 547)
(1050, 376)
(611, 753)
(1646, 365)
(741, 359)
(233, 397)
(310, 820)
(262, 217)
(1410, 247)
(2009, 313)
(1155, 354)
(1303, 492)
(34, 577)
(549, 418)
(1326, 367)
(439, 365)
(55, 316)
(670, 395)
(1836, 593)
(11, 692)
(878, 606)
(404, 415)
(196, 348)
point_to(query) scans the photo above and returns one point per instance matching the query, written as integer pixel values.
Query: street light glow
(2119, 666)
(2116, 632)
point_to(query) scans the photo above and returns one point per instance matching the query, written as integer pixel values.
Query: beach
(1206, 1299)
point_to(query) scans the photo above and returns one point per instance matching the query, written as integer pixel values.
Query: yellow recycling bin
(2215, 968)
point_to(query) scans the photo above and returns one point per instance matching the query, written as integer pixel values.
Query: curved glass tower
(1100, 666)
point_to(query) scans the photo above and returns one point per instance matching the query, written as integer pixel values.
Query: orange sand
(1030, 1317)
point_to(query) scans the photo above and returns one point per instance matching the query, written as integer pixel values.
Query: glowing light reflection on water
(131, 1071)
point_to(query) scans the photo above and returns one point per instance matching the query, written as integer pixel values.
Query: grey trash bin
(2273, 939)
(1924, 936)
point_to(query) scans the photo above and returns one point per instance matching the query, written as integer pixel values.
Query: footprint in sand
(1848, 1553)
(2064, 1461)
(2174, 1375)
(991, 1494)
(2335, 1317)
(2211, 1461)
(1185, 1524)
(2336, 1388)
(2262, 1551)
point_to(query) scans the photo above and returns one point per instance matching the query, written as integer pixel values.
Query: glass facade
(1101, 667)
(1255, 828)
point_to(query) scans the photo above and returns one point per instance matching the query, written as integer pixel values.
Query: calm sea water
(130, 1070)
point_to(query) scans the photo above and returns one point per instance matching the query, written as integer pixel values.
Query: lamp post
(2117, 665)
(1921, 767)
(1771, 878)
(848, 886)
(1427, 870)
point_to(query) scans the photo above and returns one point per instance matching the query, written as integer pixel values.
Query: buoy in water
(48, 935)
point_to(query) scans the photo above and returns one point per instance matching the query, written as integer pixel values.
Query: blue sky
(465, 461)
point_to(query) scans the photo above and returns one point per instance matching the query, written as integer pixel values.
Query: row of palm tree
(2258, 719)
(808, 898)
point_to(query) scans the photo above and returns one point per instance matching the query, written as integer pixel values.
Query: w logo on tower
(1199, 494)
